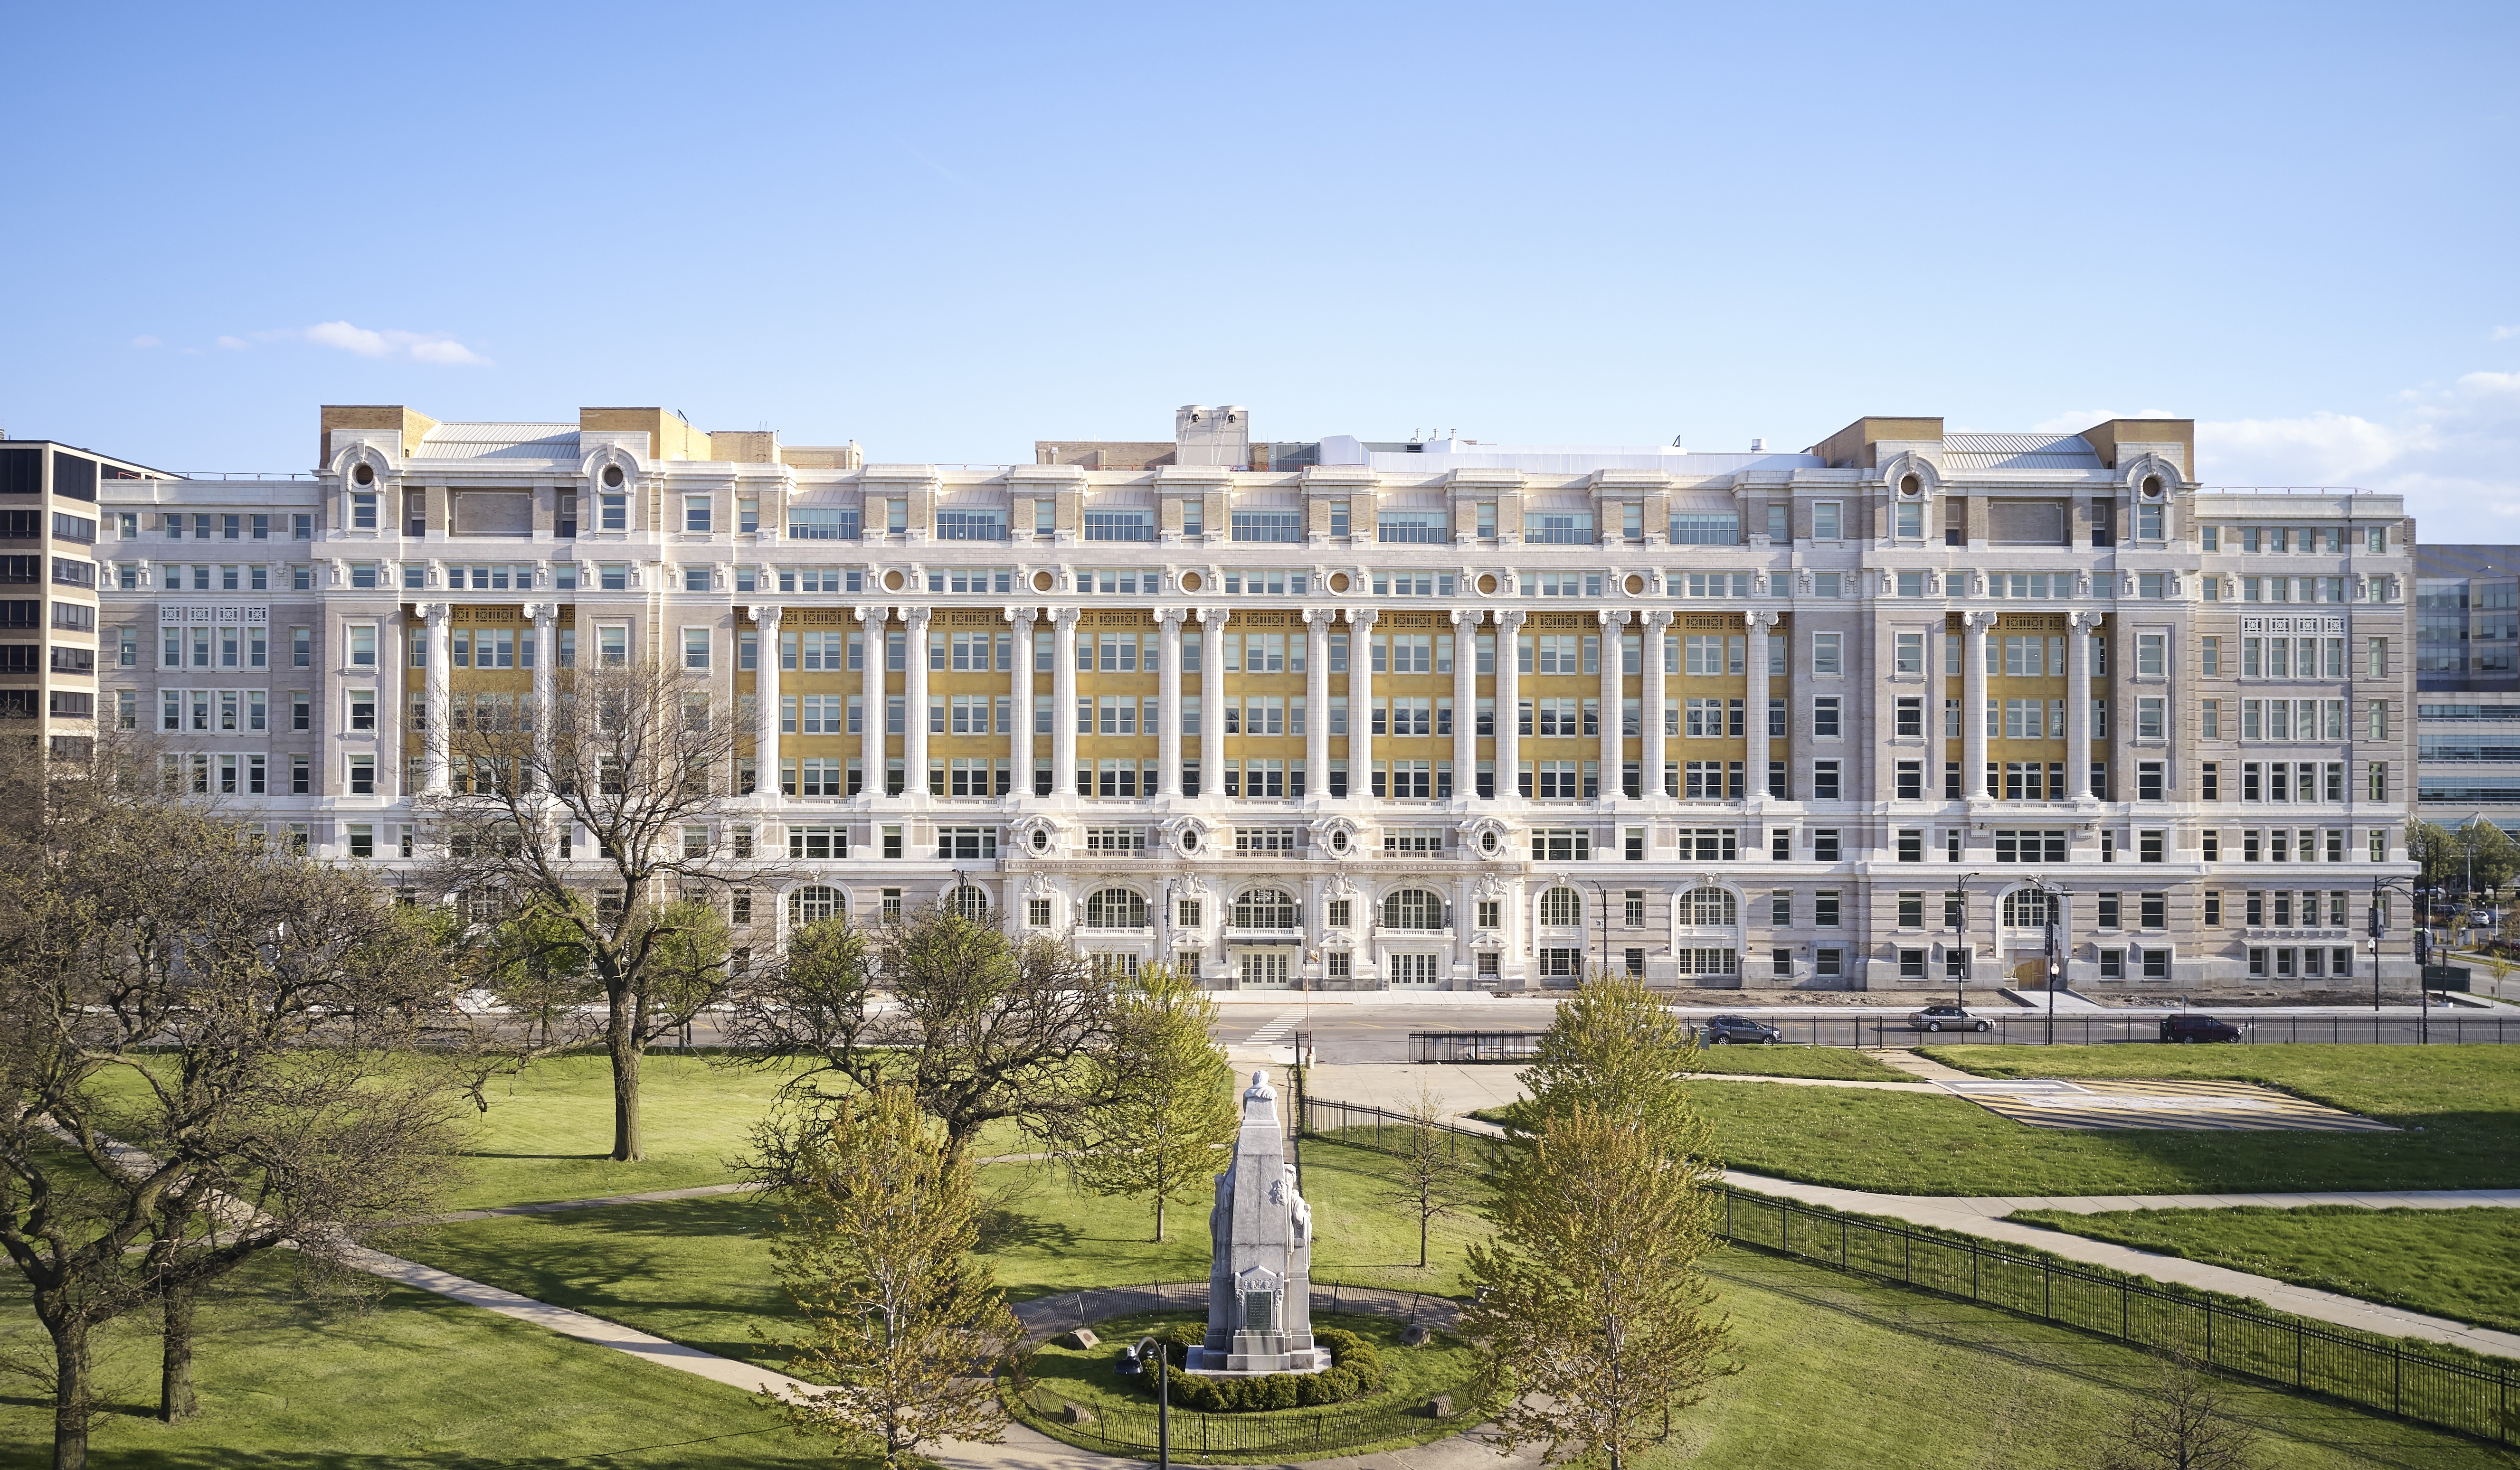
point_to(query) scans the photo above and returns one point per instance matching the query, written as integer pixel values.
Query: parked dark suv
(2197, 1029)
(1737, 1030)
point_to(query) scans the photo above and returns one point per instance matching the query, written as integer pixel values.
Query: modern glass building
(2467, 682)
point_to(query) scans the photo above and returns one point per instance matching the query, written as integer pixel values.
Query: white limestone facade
(1365, 717)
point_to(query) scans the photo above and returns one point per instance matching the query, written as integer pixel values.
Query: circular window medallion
(1487, 584)
(1635, 583)
(2152, 487)
(365, 474)
(1192, 581)
(892, 581)
(1043, 581)
(1040, 840)
(1338, 581)
(1911, 485)
(612, 476)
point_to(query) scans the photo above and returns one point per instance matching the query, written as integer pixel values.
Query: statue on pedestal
(1259, 1285)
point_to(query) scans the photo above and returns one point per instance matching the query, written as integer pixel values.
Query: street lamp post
(2049, 928)
(1960, 992)
(2377, 927)
(1151, 1351)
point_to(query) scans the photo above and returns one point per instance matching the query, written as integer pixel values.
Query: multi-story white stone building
(1358, 716)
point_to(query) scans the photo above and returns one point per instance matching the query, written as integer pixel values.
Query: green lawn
(414, 1381)
(698, 1271)
(548, 1135)
(2460, 1107)
(2464, 1265)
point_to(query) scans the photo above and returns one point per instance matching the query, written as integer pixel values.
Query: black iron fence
(2475, 1398)
(1281, 1432)
(1878, 1032)
(2480, 1398)
(1366, 1127)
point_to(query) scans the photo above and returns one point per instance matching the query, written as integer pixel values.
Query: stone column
(2080, 625)
(438, 619)
(1973, 628)
(1465, 707)
(913, 691)
(1317, 701)
(1211, 700)
(1360, 701)
(1020, 687)
(1062, 701)
(1508, 699)
(1754, 753)
(1652, 753)
(1168, 697)
(871, 694)
(1614, 747)
(765, 698)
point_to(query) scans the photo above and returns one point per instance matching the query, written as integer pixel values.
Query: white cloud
(2505, 333)
(414, 346)
(434, 347)
(2453, 452)
(147, 342)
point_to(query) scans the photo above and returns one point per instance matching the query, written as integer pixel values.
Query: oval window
(1338, 581)
(365, 474)
(1635, 584)
(612, 476)
(1911, 485)
(892, 581)
(1338, 842)
(2152, 487)
(1189, 841)
(1488, 843)
(1487, 584)
(1040, 840)
(1043, 581)
(1192, 581)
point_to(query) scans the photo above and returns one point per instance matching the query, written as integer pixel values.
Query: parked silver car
(1947, 1018)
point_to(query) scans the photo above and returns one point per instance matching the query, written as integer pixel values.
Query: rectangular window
(1825, 654)
(1826, 519)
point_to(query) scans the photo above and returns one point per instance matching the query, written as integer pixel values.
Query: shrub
(1355, 1370)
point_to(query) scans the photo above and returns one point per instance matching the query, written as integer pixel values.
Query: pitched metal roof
(499, 441)
(1985, 451)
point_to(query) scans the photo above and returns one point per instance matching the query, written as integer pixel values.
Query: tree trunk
(70, 1397)
(176, 1399)
(1422, 1222)
(1160, 1217)
(628, 1147)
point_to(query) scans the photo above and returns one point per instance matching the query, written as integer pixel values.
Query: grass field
(2460, 1107)
(414, 1381)
(698, 1271)
(2464, 1265)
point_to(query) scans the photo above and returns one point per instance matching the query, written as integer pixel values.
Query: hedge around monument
(1355, 1370)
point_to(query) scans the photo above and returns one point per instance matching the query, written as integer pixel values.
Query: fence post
(1841, 1242)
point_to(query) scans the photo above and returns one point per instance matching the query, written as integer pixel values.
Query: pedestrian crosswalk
(1276, 1033)
(2184, 1105)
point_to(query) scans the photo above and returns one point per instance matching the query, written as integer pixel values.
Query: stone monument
(1260, 1285)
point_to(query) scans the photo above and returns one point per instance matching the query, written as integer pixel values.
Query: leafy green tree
(1594, 1322)
(1168, 1123)
(1616, 1049)
(874, 1245)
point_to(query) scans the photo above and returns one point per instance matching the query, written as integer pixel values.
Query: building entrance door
(1265, 969)
(1414, 972)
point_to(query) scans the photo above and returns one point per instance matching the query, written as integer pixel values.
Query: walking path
(1984, 1217)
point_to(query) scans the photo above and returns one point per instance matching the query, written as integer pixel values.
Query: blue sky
(948, 231)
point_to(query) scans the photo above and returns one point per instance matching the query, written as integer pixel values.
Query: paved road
(1379, 1031)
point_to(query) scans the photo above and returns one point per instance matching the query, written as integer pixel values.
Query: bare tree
(979, 1025)
(1433, 1182)
(2185, 1421)
(590, 843)
(203, 1056)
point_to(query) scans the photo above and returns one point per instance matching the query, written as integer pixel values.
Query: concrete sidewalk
(1983, 1217)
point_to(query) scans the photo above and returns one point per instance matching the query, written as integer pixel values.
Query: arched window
(2025, 909)
(814, 903)
(1562, 907)
(1115, 909)
(1413, 909)
(968, 901)
(1265, 909)
(1709, 907)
